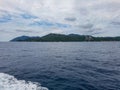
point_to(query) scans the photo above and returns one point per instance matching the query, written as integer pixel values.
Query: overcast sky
(40, 17)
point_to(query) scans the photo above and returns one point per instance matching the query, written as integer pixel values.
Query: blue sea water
(60, 65)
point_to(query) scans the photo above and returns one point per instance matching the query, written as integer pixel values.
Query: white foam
(8, 82)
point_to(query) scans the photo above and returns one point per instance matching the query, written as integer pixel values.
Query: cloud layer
(40, 17)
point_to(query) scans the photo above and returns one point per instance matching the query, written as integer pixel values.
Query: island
(53, 37)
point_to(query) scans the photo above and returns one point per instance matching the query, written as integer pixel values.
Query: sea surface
(60, 66)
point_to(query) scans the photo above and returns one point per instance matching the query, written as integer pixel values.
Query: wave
(8, 82)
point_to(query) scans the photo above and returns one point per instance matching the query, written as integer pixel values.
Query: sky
(41, 17)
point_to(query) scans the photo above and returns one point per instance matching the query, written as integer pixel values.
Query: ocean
(59, 65)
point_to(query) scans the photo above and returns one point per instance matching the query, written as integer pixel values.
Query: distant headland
(52, 37)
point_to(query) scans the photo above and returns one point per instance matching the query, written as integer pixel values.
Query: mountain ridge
(53, 37)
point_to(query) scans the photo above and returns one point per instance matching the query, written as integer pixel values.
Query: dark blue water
(64, 65)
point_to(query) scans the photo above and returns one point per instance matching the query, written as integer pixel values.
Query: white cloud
(19, 14)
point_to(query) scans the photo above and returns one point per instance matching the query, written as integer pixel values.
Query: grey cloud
(94, 31)
(26, 31)
(5, 31)
(97, 29)
(71, 19)
(86, 26)
(83, 11)
(90, 31)
(109, 6)
(115, 23)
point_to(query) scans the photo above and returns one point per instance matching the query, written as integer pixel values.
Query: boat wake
(8, 82)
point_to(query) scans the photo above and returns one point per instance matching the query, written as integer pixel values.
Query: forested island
(52, 37)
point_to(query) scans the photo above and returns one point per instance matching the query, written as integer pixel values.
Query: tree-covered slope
(65, 38)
